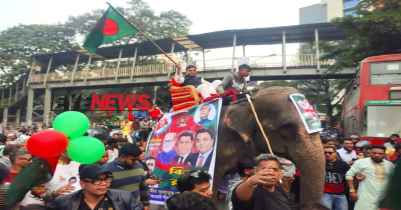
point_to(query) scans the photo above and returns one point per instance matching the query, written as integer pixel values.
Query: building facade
(327, 10)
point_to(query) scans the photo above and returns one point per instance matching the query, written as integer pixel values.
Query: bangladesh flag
(112, 26)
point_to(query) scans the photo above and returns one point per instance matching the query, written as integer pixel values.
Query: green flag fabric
(36, 173)
(112, 26)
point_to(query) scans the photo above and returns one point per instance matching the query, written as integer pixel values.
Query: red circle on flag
(110, 27)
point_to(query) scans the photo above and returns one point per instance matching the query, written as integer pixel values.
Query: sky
(206, 15)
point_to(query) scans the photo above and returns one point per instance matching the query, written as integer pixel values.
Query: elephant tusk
(260, 125)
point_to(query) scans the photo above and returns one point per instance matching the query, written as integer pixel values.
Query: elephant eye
(288, 130)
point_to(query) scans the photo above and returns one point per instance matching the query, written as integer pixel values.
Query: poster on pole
(182, 141)
(306, 112)
(244, 60)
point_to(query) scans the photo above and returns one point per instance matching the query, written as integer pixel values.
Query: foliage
(20, 43)
(167, 24)
(375, 32)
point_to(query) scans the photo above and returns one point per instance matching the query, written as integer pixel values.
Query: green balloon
(71, 123)
(85, 149)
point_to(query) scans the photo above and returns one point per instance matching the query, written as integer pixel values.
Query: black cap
(129, 149)
(122, 140)
(92, 171)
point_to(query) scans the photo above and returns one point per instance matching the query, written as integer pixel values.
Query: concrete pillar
(18, 117)
(10, 96)
(5, 116)
(16, 92)
(284, 53)
(317, 49)
(87, 67)
(75, 68)
(189, 62)
(29, 107)
(23, 85)
(233, 58)
(30, 73)
(118, 63)
(2, 98)
(48, 70)
(134, 62)
(204, 61)
(46, 114)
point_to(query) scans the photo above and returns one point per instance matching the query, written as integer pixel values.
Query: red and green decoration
(112, 26)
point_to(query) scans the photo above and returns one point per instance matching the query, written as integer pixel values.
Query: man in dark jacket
(95, 194)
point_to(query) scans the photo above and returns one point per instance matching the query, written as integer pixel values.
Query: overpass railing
(303, 60)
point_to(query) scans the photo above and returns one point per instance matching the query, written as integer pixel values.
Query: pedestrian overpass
(121, 66)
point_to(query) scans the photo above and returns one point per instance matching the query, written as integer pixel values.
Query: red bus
(372, 104)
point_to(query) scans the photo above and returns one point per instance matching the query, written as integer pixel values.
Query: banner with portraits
(182, 141)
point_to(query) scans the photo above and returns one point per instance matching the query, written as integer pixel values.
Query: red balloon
(48, 143)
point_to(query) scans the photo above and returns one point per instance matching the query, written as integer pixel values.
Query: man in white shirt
(204, 140)
(24, 135)
(185, 143)
(65, 171)
(347, 153)
(202, 86)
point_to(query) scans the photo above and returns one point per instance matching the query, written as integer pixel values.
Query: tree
(20, 43)
(373, 32)
(167, 24)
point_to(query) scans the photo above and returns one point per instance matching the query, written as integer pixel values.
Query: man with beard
(168, 153)
(260, 191)
(347, 153)
(204, 115)
(377, 173)
(128, 173)
(185, 142)
(95, 194)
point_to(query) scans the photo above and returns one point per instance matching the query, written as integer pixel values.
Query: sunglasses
(28, 159)
(99, 181)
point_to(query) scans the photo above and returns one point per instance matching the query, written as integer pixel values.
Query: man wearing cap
(129, 174)
(95, 182)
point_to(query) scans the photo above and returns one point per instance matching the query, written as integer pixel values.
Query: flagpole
(143, 34)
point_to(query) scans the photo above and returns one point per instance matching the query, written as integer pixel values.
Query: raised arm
(178, 75)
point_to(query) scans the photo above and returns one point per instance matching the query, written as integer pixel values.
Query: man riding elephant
(202, 86)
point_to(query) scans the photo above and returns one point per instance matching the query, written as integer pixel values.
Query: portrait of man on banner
(183, 141)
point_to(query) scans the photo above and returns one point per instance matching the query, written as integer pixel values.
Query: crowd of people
(357, 174)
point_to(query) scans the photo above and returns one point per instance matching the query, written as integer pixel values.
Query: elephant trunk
(309, 158)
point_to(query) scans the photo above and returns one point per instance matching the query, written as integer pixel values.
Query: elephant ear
(239, 117)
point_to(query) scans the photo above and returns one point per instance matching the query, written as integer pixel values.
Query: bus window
(382, 121)
(385, 73)
(364, 121)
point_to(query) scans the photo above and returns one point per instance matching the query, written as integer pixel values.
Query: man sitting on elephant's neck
(237, 82)
(260, 191)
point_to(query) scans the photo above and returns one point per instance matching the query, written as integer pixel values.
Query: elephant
(239, 135)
